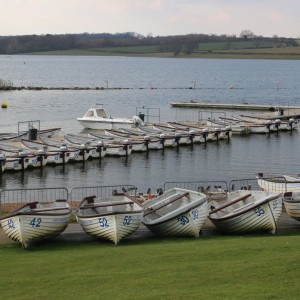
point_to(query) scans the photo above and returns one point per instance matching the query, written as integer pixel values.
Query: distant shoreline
(270, 53)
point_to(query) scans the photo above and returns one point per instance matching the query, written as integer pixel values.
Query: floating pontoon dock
(241, 106)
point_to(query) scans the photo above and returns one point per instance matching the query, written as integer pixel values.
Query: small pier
(240, 106)
(266, 111)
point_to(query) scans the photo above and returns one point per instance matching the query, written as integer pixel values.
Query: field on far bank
(207, 50)
(212, 267)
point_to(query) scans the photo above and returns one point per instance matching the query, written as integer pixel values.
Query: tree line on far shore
(176, 44)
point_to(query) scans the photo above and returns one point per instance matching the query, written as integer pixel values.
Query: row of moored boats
(54, 147)
(245, 124)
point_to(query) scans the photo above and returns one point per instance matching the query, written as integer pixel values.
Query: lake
(134, 83)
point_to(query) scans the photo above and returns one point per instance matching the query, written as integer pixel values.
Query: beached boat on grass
(177, 212)
(36, 221)
(278, 183)
(291, 203)
(247, 211)
(112, 219)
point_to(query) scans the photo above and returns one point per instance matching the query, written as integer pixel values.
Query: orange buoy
(4, 104)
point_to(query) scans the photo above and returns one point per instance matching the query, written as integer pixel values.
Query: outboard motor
(177, 138)
(82, 151)
(277, 124)
(126, 142)
(290, 123)
(192, 134)
(228, 129)
(99, 147)
(217, 133)
(40, 156)
(269, 124)
(162, 138)
(63, 150)
(137, 121)
(205, 133)
(147, 140)
(2, 161)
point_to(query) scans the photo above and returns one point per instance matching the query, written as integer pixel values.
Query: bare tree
(246, 34)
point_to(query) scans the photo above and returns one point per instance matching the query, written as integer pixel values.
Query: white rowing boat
(177, 212)
(247, 211)
(57, 155)
(36, 221)
(112, 219)
(278, 183)
(291, 203)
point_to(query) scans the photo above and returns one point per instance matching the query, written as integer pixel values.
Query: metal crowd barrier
(208, 186)
(11, 197)
(101, 192)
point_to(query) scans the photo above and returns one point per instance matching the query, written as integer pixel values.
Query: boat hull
(247, 217)
(112, 227)
(188, 224)
(104, 124)
(292, 205)
(31, 227)
(178, 212)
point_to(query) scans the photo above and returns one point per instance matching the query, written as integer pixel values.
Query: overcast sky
(156, 17)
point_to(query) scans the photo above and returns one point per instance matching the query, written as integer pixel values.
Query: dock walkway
(269, 111)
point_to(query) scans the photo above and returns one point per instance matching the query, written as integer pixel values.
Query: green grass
(212, 267)
(242, 49)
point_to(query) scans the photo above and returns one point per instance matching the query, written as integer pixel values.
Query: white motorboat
(278, 183)
(36, 221)
(113, 218)
(177, 212)
(97, 118)
(247, 211)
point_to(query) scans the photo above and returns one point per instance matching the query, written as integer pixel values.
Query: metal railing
(19, 196)
(207, 186)
(11, 197)
(101, 192)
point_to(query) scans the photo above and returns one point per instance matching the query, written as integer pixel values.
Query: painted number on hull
(274, 204)
(126, 220)
(103, 222)
(183, 220)
(35, 222)
(11, 224)
(195, 214)
(259, 211)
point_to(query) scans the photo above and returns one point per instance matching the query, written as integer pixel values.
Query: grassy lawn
(212, 267)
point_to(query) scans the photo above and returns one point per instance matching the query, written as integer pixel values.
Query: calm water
(253, 81)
